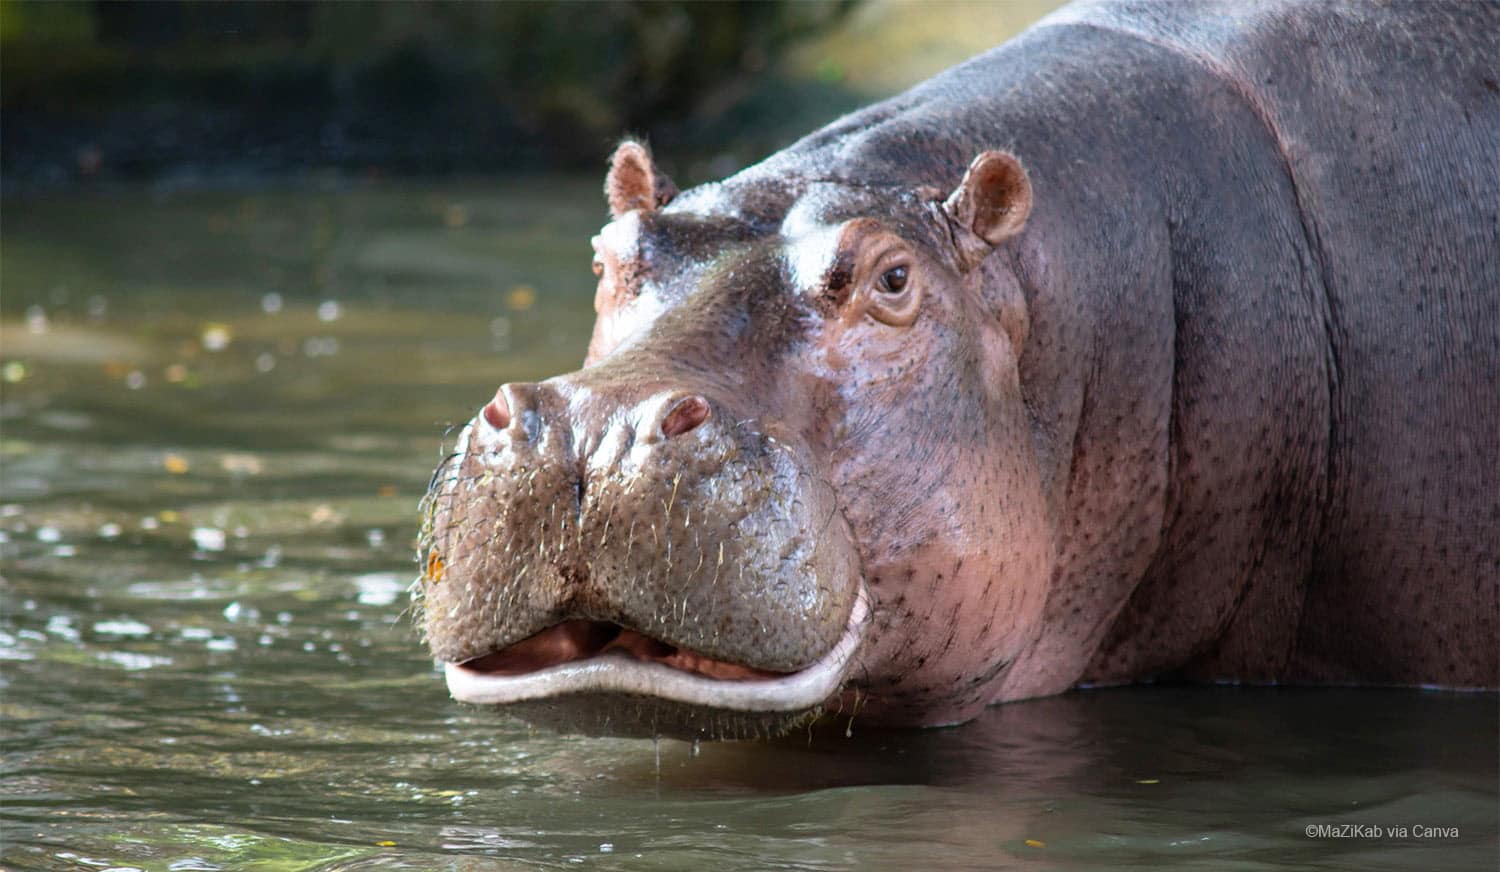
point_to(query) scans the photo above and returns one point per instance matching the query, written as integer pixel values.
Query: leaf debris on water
(521, 297)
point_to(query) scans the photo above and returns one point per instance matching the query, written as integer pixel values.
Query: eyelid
(888, 258)
(902, 314)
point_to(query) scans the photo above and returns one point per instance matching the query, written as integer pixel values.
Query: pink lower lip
(577, 640)
(666, 679)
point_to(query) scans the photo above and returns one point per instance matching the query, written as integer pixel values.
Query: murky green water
(219, 411)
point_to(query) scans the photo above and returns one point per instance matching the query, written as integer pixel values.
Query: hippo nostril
(686, 415)
(497, 413)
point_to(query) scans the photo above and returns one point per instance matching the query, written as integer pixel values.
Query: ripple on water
(132, 661)
(122, 628)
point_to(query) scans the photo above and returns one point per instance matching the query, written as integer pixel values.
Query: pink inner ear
(634, 183)
(991, 204)
(629, 184)
(999, 196)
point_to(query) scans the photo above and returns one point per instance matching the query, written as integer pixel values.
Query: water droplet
(208, 538)
(321, 346)
(328, 310)
(216, 337)
(271, 303)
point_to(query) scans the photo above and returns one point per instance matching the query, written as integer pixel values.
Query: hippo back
(1387, 117)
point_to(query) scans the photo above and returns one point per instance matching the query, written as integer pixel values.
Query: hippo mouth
(596, 657)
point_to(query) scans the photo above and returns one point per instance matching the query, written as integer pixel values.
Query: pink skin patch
(685, 416)
(497, 413)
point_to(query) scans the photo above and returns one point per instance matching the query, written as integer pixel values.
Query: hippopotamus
(1160, 343)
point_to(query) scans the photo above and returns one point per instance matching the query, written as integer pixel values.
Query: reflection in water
(219, 412)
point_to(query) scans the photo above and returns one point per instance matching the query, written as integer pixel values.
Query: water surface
(219, 411)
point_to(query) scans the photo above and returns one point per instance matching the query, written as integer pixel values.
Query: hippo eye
(893, 281)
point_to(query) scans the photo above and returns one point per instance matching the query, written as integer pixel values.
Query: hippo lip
(503, 677)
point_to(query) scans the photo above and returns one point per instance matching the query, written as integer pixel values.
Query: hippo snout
(630, 533)
(674, 415)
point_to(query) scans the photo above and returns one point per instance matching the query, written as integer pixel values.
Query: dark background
(96, 91)
(136, 88)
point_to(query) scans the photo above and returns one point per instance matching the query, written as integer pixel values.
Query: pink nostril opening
(686, 415)
(497, 413)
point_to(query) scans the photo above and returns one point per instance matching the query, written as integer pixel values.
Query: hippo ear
(992, 203)
(634, 182)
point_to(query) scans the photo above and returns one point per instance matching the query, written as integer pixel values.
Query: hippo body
(1194, 373)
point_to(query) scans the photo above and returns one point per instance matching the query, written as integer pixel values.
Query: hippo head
(794, 475)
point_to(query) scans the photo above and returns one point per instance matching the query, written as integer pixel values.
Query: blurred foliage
(130, 87)
(883, 46)
(191, 92)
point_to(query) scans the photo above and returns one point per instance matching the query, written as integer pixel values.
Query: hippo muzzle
(603, 555)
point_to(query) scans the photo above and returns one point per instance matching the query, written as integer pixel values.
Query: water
(219, 412)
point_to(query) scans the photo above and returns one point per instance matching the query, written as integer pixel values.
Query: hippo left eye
(894, 280)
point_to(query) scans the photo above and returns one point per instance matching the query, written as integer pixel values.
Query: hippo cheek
(683, 577)
(946, 627)
(958, 568)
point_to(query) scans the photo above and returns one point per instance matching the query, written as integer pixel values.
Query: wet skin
(1199, 378)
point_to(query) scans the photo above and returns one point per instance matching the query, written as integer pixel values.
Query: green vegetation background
(113, 90)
